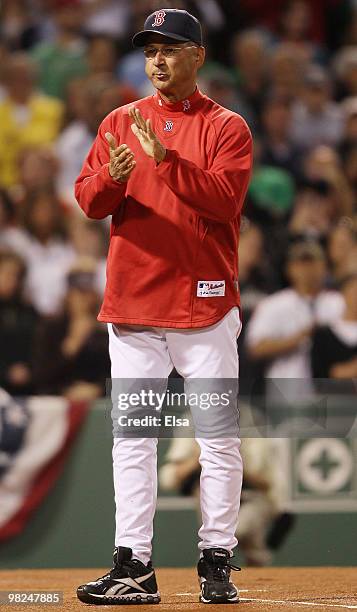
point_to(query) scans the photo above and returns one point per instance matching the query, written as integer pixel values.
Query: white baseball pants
(152, 352)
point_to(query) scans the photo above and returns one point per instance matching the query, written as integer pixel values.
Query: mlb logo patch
(169, 126)
(208, 289)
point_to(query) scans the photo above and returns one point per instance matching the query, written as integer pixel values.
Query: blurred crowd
(290, 68)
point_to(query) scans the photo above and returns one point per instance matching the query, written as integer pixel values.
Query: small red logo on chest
(159, 19)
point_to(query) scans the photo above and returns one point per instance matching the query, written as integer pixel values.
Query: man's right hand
(122, 161)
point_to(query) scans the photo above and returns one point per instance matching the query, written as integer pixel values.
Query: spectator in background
(271, 198)
(4, 56)
(47, 252)
(350, 33)
(348, 146)
(294, 27)
(90, 240)
(349, 107)
(280, 330)
(131, 70)
(277, 148)
(107, 17)
(7, 213)
(253, 272)
(264, 494)
(349, 161)
(101, 94)
(345, 69)
(286, 67)
(314, 212)
(38, 169)
(316, 119)
(255, 277)
(12, 235)
(18, 322)
(268, 15)
(102, 55)
(324, 164)
(27, 118)
(334, 347)
(218, 83)
(249, 58)
(71, 349)
(75, 103)
(263, 503)
(18, 29)
(63, 58)
(342, 247)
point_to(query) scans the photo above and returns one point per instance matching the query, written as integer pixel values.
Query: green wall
(74, 527)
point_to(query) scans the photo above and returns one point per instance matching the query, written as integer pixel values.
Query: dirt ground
(268, 589)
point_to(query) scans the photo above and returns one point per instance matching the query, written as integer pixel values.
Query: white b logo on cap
(159, 18)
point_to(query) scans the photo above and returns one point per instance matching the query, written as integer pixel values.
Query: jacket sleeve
(217, 193)
(96, 192)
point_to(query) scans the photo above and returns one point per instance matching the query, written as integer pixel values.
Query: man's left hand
(146, 136)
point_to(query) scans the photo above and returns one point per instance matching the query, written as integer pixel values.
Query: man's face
(10, 278)
(316, 98)
(277, 118)
(20, 79)
(177, 69)
(307, 273)
(69, 18)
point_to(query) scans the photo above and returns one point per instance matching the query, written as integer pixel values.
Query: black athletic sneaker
(128, 582)
(214, 572)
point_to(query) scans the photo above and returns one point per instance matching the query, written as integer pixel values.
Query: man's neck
(20, 99)
(65, 39)
(307, 292)
(178, 96)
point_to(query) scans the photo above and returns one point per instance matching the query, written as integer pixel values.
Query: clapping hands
(122, 162)
(146, 136)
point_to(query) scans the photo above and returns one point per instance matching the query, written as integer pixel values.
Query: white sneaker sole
(130, 599)
(219, 600)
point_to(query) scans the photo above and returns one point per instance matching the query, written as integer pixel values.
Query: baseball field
(285, 589)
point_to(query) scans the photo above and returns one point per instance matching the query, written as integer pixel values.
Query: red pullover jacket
(173, 255)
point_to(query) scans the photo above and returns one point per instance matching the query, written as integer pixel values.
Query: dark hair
(318, 186)
(8, 205)
(12, 256)
(93, 37)
(346, 148)
(286, 8)
(32, 198)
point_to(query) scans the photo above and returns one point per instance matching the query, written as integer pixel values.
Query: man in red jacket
(172, 170)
